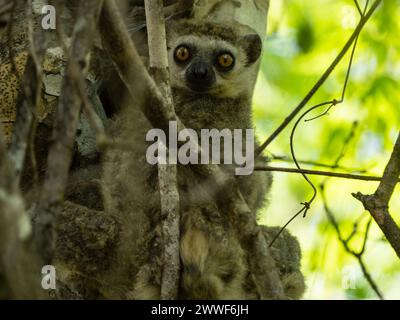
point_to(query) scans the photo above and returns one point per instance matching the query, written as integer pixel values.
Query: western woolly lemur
(117, 256)
(213, 71)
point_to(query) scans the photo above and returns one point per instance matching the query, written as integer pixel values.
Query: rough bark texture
(65, 128)
(378, 203)
(167, 174)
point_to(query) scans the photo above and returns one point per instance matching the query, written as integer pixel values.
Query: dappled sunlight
(303, 39)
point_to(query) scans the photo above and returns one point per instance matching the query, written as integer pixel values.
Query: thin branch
(331, 104)
(333, 166)
(167, 174)
(335, 102)
(28, 100)
(88, 108)
(322, 80)
(64, 132)
(320, 173)
(331, 217)
(345, 243)
(287, 159)
(346, 144)
(369, 279)
(358, 7)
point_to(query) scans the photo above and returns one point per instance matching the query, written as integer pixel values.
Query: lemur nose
(200, 76)
(199, 70)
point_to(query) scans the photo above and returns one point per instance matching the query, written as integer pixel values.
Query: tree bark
(167, 174)
(64, 132)
(378, 203)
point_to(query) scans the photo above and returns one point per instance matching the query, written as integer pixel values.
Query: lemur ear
(252, 45)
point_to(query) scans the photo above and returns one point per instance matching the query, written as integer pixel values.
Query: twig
(167, 174)
(320, 173)
(331, 104)
(331, 217)
(345, 243)
(378, 203)
(28, 101)
(322, 80)
(358, 7)
(287, 159)
(346, 144)
(333, 166)
(88, 109)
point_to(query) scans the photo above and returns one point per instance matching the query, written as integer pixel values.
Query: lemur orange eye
(182, 54)
(226, 60)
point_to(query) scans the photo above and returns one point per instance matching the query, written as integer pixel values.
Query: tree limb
(167, 174)
(18, 256)
(28, 98)
(321, 81)
(67, 117)
(321, 173)
(378, 203)
(345, 243)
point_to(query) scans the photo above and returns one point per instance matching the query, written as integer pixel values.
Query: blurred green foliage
(303, 38)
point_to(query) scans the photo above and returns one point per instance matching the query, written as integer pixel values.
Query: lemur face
(215, 64)
(202, 64)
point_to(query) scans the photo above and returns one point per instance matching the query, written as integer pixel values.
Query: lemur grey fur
(213, 71)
